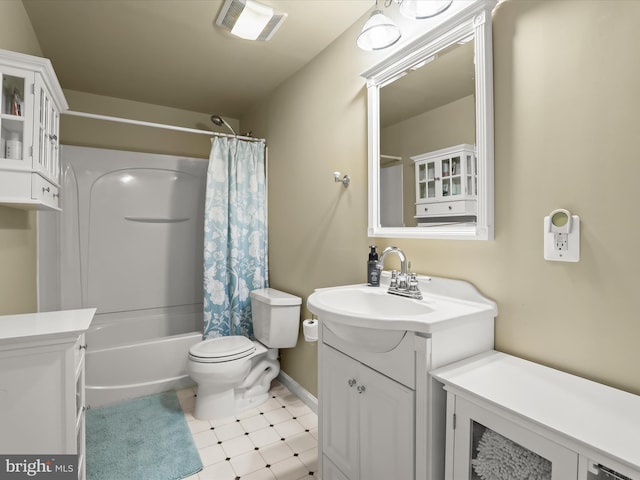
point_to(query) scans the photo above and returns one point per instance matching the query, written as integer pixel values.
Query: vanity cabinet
(379, 415)
(446, 182)
(365, 414)
(30, 104)
(511, 419)
(42, 402)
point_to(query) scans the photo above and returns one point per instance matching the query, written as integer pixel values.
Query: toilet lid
(222, 349)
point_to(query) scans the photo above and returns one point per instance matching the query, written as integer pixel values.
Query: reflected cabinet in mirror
(431, 133)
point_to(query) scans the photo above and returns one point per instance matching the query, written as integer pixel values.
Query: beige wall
(17, 227)
(566, 122)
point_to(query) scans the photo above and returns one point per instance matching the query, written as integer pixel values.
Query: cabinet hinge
(33, 88)
(454, 421)
(31, 151)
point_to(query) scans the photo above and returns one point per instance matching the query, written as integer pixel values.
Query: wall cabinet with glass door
(446, 182)
(510, 419)
(30, 104)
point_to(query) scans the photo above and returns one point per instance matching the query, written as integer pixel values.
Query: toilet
(234, 373)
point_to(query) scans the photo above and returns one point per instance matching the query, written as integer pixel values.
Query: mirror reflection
(427, 138)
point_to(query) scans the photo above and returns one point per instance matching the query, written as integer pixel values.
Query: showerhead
(219, 121)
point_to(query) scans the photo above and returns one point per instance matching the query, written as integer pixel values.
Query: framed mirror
(430, 132)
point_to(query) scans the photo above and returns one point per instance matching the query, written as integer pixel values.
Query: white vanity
(42, 405)
(508, 418)
(380, 416)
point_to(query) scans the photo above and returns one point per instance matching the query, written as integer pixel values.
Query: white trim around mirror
(472, 20)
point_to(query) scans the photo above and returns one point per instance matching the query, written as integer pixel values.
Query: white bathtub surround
(275, 441)
(131, 241)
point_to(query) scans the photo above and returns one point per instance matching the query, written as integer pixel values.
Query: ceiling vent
(249, 19)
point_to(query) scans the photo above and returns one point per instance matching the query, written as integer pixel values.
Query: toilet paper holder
(310, 329)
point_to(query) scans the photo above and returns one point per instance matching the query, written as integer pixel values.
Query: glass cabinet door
(489, 446)
(15, 108)
(421, 175)
(431, 180)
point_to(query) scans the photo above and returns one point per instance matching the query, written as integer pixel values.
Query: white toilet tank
(276, 317)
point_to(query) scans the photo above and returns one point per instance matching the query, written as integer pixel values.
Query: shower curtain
(235, 235)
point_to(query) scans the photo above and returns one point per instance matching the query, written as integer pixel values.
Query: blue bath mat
(144, 438)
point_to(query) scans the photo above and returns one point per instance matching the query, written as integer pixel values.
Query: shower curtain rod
(159, 125)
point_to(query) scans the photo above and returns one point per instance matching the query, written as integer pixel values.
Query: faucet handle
(402, 281)
(413, 282)
(394, 279)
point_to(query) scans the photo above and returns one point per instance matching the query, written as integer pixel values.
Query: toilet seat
(222, 349)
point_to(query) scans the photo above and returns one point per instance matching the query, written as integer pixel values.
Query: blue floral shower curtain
(235, 235)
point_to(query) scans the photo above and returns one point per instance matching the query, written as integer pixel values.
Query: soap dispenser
(373, 273)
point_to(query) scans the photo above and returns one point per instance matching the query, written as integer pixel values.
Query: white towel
(501, 459)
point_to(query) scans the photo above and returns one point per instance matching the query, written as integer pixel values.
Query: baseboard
(299, 391)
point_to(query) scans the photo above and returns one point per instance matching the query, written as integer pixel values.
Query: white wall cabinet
(365, 414)
(446, 182)
(30, 106)
(512, 419)
(42, 407)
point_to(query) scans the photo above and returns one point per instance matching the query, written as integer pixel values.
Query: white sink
(362, 300)
(377, 321)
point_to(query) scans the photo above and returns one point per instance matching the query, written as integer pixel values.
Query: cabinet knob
(56, 195)
(361, 388)
(53, 137)
(83, 347)
(450, 207)
(46, 189)
(352, 382)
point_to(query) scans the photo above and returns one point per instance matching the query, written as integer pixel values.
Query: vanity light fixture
(249, 19)
(380, 32)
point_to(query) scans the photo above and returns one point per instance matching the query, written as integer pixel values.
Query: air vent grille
(229, 14)
(272, 26)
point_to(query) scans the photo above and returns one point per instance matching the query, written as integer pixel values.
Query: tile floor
(275, 441)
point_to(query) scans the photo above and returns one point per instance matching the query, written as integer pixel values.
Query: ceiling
(169, 52)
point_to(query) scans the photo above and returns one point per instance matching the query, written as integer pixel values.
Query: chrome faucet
(399, 284)
(400, 253)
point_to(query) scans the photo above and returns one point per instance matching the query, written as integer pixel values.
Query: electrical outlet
(562, 240)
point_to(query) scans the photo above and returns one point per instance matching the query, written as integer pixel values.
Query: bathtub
(133, 354)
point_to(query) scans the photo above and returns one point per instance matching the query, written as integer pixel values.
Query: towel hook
(346, 180)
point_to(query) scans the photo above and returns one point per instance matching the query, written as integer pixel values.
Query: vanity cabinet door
(367, 421)
(489, 445)
(386, 427)
(340, 411)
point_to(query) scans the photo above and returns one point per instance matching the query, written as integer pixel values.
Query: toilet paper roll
(310, 330)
